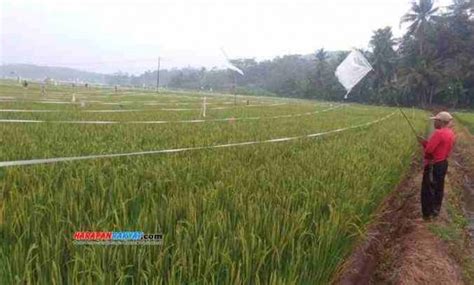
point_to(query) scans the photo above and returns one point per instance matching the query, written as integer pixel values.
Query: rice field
(466, 119)
(277, 208)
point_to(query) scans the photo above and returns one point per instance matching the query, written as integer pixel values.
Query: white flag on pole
(234, 68)
(352, 69)
(229, 65)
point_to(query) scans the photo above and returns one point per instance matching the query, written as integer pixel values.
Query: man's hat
(443, 116)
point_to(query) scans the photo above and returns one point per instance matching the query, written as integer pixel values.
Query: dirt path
(414, 255)
(400, 247)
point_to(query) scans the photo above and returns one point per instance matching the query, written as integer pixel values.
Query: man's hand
(420, 139)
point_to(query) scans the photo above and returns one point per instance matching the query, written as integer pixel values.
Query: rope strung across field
(87, 157)
(168, 122)
(146, 103)
(128, 110)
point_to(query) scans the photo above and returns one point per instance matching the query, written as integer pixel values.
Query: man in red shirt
(436, 151)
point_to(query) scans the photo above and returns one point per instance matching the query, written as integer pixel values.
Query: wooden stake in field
(204, 107)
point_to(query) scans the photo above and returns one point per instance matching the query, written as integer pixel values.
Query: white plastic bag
(352, 69)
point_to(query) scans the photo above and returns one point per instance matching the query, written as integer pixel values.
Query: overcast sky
(129, 35)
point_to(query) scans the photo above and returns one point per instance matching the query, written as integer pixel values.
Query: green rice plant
(279, 213)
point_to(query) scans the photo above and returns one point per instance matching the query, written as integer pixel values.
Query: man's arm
(422, 141)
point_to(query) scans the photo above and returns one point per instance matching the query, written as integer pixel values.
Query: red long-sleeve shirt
(438, 147)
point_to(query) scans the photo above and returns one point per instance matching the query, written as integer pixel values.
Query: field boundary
(284, 139)
(128, 102)
(137, 110)
(169, 122)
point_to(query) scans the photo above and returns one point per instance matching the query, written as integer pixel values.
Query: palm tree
(319, 78)
(383, 56)
(419, 16)
(321, 55)
(424, 78)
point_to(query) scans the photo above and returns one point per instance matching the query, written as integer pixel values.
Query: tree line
(431, 64)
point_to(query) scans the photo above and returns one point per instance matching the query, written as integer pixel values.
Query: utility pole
(158, 75)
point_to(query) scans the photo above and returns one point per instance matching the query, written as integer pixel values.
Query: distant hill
(37, 72)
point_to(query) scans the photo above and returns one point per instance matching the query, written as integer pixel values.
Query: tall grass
(466, 119)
